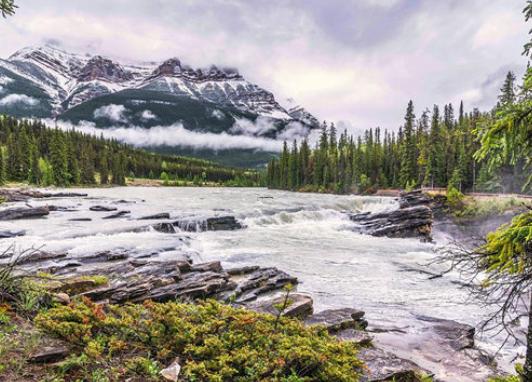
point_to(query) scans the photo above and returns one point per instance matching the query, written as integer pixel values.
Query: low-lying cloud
(173, 135)
(147, 115)
(112, 112)
(23, 99)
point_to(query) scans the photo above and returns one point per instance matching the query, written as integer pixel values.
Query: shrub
(214, 342)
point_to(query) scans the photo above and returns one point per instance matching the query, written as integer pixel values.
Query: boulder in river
(413, 218)
(162, 215)
(458, 335)
(404, 222)
(100, 208)
(23, 213)
(219, 223)
(117, 215)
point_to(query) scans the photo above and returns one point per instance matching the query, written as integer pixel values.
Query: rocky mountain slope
(46, 82)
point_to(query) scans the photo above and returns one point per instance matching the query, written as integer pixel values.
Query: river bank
(308, 237)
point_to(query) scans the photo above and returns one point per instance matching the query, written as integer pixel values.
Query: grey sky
(357, 61)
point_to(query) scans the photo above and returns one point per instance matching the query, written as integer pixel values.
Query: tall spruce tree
(408, 149)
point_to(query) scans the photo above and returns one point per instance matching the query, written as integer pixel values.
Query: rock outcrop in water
(23, 213)
(413, 218)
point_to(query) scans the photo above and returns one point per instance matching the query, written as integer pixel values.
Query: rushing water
(307, 235)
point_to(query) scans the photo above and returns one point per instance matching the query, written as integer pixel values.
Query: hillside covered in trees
(31, 152)
(440, 148)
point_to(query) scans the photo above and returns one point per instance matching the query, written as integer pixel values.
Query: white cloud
(112, 112)
(218, 114)
(244, 126)
(294, 130)
(147, 115)
(18, 99)
(173, 135)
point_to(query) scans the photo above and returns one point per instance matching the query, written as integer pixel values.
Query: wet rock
(242, 270)
(20, 195)
(383, 366)
(299, 305)
(105, 256)
(459, 336)
(23, 213)
(414, 198)
(38, 256)
(49, 354)
(171, 373)
(99, 208)
(339, 319)
(164, 215)
(261, 281)
(80, 220)
(116, 215)
(11, 233)
(413, 218)
(164, 227)
(404, 222)
(61, 209)
(222, 223)
(213, 266)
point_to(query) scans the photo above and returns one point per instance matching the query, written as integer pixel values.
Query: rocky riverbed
(102, 235)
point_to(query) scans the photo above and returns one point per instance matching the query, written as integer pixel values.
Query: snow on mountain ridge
(71, 79)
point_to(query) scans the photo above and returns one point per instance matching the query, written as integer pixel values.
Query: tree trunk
(527, 375)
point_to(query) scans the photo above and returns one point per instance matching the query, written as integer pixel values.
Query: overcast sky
(357, 61)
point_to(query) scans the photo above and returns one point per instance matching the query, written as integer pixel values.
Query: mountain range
(49, 83)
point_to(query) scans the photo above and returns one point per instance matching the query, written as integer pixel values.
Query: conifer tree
(408, 149)
(58, 159)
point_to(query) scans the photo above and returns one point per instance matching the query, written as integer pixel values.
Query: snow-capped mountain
(46, 82)
(71, 79)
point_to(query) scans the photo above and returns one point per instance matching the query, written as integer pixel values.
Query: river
(306, 235)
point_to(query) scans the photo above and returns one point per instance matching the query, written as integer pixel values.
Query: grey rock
(383, 366)
(99, 208)
(299, 305)
(116, 215)
(164, 227)
(459, 336)
(339, 319)
(23, 213)
(221, 223)
(49, 354)
(163, 215)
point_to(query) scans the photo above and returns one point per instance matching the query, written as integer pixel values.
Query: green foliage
(7, 7)
(509, 248)
(214, 342)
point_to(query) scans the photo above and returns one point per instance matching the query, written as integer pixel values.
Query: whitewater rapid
(307, 235)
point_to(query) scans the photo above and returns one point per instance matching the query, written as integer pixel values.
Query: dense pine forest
(440, 148)
(31, 152)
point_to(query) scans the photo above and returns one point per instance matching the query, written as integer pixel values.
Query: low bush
(213, 341)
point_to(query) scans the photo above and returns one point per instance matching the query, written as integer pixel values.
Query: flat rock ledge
(413, 218)
(21, 195)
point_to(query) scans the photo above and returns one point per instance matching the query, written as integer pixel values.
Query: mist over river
(307, 235)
